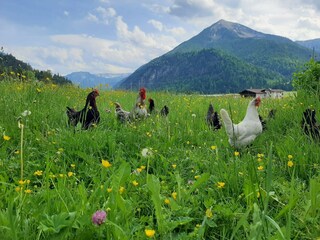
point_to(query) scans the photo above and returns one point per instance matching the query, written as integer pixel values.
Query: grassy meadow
(161, 178)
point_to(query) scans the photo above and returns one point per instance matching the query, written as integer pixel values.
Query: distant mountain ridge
(265, 59)
(86, 79)
(313, 44)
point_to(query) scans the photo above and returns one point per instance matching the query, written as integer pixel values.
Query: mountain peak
(225, 29)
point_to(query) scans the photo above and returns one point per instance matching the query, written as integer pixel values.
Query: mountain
(225, 57)
(86, 79)
(312, 44)
(201, 71)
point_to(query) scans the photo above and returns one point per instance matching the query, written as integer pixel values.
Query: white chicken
(243, 133)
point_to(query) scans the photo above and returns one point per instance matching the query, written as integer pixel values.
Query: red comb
(142, 93)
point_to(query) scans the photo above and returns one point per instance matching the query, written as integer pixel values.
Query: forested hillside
(205, 71)
(12, 68)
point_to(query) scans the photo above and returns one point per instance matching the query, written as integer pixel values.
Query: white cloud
(92, 18)
(192, 8)
(50, 58)
(103, 15)
(136, 36)
(156, 24)
(107, 12)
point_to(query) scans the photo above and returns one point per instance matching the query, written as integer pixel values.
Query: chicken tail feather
(227, 122)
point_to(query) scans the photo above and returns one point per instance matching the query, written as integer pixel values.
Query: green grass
(188, 159)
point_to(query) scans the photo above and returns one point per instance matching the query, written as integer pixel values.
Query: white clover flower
(26, 113)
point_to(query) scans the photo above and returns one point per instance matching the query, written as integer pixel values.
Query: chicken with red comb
(139, 110)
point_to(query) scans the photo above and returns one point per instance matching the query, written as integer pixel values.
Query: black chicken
(152, 108)
(164, 111)
(271, 115)
(212, 119)
(88, 115)
(309, 124)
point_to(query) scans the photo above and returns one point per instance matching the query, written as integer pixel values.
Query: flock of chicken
(90, 115)
(240, 135)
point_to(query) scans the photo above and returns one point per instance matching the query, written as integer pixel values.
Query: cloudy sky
(118, 36)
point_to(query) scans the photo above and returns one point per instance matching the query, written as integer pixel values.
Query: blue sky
(118, 36)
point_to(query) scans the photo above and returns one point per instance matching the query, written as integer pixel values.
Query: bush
(308, 80)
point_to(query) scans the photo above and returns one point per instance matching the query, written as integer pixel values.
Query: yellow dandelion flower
(38, 90)
(143, 167)
(37, 173)
(258, 194)
(213, 147)
(121, 190)
(150, 233)
(21, 182)
(174, 195)
(290, 156)
(135, 183)
(139, 170)
(260, 155)
(174, 166)
(18, 189)
(236, 154)
(62, 175)
(28, 191)
(221, 184)
(197, 177)
(70, 174)
(106, 164)
(167, 201)
(260, 168)
(209, 213)
(290, 163)
(109, 190)
(6, 138)
(73, 165)
(17, 152)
